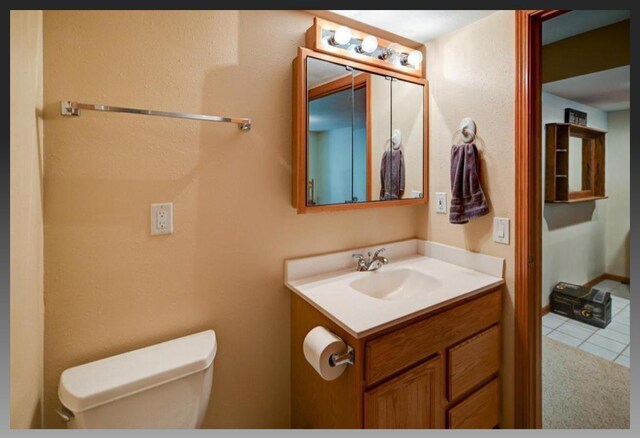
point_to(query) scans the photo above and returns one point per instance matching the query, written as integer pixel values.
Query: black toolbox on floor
(584, 304)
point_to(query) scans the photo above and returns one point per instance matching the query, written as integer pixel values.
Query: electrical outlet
(161, 218)
(441, 202)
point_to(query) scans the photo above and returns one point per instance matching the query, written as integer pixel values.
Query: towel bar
(69, 108)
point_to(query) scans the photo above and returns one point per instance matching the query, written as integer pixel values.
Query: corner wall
(26, 228)
(471, 73)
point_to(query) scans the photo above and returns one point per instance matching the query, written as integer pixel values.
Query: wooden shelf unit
(557, 163)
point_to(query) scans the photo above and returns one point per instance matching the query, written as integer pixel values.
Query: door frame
(528, 218)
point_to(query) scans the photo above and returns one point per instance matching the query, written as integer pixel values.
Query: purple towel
(392, 175)
(467, 198)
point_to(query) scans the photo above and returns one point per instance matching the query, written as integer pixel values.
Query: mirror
(365, 136)
(330, 138)
(407, 124)
(575, 164)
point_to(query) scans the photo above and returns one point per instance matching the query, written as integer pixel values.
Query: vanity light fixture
(414, 58)
(390, 53)
(351, 43)
(340, 37)
(369, 45)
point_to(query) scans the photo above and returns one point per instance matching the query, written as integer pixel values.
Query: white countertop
(326, 282)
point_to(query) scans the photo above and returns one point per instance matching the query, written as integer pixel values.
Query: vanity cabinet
(439, 369)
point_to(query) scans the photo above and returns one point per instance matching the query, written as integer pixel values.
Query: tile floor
(611, 343)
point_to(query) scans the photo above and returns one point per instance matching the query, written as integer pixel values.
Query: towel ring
(467, 130)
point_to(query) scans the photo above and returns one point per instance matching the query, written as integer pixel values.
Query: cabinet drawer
(473, 361)
(481, 410)
(400, 349)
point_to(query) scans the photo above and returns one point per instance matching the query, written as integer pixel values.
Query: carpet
(582, 391)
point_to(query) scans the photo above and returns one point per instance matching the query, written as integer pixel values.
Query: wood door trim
(528, 218)
(369, 122)
(337, 85)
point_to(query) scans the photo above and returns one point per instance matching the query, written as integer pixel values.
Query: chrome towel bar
(70, 108)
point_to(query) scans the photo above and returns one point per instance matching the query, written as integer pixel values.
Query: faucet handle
(375, 254)
(361, 261)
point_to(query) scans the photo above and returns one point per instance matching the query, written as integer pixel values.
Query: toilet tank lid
(95, 383)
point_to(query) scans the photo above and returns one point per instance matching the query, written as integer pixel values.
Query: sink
(397, 284)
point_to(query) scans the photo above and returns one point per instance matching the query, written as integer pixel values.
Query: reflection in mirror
(330, 133)
(407, 137)
(356, 150)
(380, 132)
(575, 164)
(398, 135)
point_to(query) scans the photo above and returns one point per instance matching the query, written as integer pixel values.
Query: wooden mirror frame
(299, 139)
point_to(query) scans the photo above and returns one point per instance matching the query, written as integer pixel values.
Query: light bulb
(414, 58)
(369, 44)
(341, 36)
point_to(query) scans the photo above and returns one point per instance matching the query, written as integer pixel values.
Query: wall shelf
(577, 200)
(557, 163)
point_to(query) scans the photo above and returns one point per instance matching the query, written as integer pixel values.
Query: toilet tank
(163, 386)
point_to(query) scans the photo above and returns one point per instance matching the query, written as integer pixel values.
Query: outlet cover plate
(161, 219)
(441, 202)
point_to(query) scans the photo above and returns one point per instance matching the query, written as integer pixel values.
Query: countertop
(453, 273)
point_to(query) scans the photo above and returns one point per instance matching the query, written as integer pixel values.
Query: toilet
(163, 386)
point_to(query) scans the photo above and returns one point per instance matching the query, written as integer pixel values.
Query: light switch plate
(441, 202)
(161, 219)
(501, 230)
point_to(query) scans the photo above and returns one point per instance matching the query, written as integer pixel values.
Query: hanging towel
(392, 175)
(467, 198)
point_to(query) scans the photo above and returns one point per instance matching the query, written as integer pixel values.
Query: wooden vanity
(439, 369)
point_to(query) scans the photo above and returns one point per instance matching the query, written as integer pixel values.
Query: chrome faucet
(370, 263)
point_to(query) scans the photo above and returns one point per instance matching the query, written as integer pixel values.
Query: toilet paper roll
(318, 346)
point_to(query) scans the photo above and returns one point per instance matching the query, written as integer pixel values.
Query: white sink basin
(398, 284)
(420, 275)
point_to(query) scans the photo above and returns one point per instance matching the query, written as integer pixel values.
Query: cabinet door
(413, 400)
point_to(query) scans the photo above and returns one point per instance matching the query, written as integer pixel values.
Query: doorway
(532, 281)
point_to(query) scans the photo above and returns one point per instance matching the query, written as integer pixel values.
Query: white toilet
(164, 386)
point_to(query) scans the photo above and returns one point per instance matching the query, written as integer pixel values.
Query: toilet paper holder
(337, 359)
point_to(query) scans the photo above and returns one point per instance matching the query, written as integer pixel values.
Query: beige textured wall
(618, 186)
(110, 286)
(26, 248)
(471, 73)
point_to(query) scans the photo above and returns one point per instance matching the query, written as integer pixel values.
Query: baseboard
(620, 278)
(546, 309)
(596, 280)
(607, 276)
